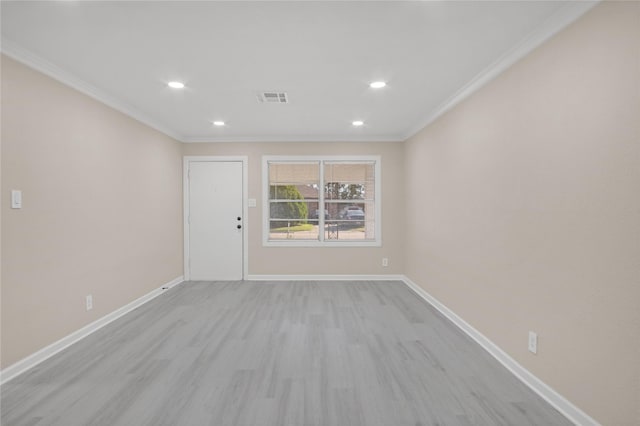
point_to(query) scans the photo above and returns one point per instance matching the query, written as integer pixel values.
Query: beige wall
(102, 210)
(307, 260)
(528, 214)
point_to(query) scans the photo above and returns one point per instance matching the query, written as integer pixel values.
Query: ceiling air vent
(273, 97)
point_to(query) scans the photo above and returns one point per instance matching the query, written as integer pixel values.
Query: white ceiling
(322, 53)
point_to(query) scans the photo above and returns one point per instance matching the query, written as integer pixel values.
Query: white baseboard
(325, 277)
(36, 358)
(559, 402)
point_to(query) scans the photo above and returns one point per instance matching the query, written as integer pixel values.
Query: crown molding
(13, 50)
(559, 20)
(299, 138)
(22, 55)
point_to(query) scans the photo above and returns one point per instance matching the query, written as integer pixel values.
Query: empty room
(320, 213)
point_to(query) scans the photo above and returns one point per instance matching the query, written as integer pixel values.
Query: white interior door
(215, 223)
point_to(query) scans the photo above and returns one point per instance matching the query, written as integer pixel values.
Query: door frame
(187, 160)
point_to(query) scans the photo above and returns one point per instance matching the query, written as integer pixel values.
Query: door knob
(239, 226)
(239, 218)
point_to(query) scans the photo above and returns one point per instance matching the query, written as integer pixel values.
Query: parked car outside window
(354, 213)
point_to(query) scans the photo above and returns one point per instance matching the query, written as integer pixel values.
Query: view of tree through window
(295, 212)
(344, 191)
(321, 200)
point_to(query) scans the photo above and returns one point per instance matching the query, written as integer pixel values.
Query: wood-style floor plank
(276, 354)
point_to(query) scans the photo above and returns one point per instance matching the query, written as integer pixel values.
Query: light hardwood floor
(276, 353)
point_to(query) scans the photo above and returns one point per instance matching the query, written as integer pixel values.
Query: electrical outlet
(385, 261)
(89, 302)
(533, 342)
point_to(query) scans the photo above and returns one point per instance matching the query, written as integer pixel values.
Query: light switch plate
(533, 342)
(16, 199)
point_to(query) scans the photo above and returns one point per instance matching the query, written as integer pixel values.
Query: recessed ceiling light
(218, 123)
(176, 85)
(377, 84)
(358, 123)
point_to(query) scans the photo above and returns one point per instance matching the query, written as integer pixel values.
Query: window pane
(349, 181)
(349, 200)
(294, 173)
(295, 211)
(350, 221)
(293, 200)
(286, 230)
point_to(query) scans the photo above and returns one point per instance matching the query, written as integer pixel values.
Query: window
(321, 201)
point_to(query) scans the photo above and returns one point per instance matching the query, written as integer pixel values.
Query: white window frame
(321, 242)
